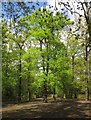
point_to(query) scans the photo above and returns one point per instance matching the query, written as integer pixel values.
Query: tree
(85, 7)
(43, 54)
(11, 13)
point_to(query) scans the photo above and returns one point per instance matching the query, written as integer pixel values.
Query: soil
(52, 109)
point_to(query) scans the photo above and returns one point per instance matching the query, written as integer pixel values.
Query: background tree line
(44, 54)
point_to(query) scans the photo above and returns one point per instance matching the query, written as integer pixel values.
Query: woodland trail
(38, 109)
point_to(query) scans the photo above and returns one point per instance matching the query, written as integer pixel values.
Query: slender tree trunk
(44, 84)
(73, 66)
(87, 15)
(54, 91)
(43, 65)
(29, 89)
(74, 92)
(86, 74)
(28, 86)
(45, 92)
(87, 84)
(89, 75)
(20, 79)
(29, 92)
(47, 68)
(29, 77)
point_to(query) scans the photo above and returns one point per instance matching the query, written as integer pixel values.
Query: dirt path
(58, 109)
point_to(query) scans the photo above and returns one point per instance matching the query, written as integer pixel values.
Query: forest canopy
(45, 52)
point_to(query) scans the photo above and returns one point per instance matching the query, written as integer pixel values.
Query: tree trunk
(44, 84)
(54, 92)
(86, 74)
(29, 94)
(47, 68)
(74, 92)
(29, 90)
(20, 79)
(75, 96)
(42, 56)
(45, 92)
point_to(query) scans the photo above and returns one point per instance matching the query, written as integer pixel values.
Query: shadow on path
(64, 109)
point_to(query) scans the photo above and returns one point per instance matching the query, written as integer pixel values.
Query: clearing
(52, 109)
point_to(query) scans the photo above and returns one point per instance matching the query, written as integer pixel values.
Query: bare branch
(68, 8)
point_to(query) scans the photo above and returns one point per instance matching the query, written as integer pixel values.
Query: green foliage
(34, 56)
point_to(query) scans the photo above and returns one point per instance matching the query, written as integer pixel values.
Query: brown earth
(52, 109)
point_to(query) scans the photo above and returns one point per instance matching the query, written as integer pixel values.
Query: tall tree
(85, 9)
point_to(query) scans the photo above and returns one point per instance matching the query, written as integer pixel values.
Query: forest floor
(52, 109)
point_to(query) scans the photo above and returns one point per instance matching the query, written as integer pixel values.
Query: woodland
(46, 59)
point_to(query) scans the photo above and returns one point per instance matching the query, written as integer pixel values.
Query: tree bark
(45, 92)
(20, 78)
(54, 91)
(74, 92)
(47, 68)
(44, 84)
(86, 74)
(29, 90)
